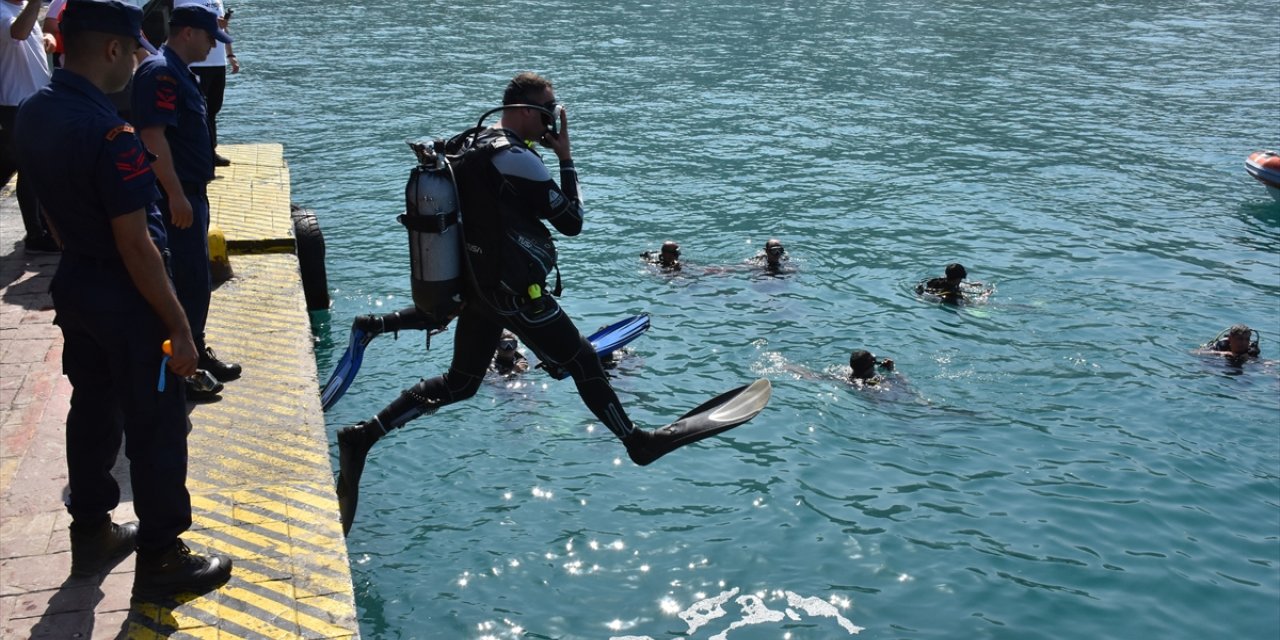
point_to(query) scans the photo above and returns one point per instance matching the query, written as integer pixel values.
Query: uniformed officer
(115, 306)
(169, 112)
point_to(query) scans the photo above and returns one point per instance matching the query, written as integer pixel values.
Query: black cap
(955, 271)
(200, 17)
(109, 16)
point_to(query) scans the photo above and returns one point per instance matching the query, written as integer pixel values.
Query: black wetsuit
(506, 195)
(942, 288)
(1224, 345)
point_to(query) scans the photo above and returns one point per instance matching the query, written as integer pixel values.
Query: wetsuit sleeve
(528, 178)
(155, 96)
(570, 209)
(125, 180)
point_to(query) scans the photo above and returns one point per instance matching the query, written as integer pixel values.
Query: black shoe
(99, 548)
(202, 387)
(223, 371)
(42, 244)
(354, 444)
(176, 570)
(221, 161)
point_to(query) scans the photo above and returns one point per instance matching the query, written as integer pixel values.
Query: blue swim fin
(715, 416)
(607, 340)
(347, 368)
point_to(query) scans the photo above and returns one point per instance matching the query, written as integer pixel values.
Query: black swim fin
(354, 444)
(715, 416)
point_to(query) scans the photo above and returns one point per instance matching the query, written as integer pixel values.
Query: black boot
(353, 446)
(97, 548)
(202, 387)
(176, 570)
(223, 371)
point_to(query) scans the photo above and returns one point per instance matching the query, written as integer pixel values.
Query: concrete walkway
(260, 477)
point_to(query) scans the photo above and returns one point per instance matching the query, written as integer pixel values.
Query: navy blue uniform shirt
(166, 92)
(87, 164)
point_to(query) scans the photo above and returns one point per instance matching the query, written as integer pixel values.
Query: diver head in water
(507, 355)
(507, 358)
(668, 257)
(863, 364)
(1239, 338)
(1239, 341)
(774, 253)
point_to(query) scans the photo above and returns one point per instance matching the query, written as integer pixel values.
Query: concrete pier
(260, 478)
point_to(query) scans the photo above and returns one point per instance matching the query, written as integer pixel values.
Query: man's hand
(184, 359)
(559, 143)
(180, 214)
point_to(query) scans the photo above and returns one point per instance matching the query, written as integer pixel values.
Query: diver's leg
(476, 335)
(549, 332)
(408, 319)
(546, 329)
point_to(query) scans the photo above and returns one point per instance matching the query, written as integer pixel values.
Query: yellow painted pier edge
(260, 478)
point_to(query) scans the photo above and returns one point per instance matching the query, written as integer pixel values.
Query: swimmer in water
(773, 257)
(949, 288)
(507, 359)
(1238, 342)
(668, 258)
(862, 365)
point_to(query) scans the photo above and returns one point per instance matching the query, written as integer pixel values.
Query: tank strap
(428, 224)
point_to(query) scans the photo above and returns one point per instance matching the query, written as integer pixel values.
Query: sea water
(1055, 463)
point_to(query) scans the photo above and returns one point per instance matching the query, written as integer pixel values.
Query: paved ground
(260, 476)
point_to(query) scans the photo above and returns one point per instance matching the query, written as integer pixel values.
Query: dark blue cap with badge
(109, 16)
(200, 17)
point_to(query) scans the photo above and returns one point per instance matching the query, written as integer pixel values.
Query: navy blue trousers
(189, 249)
(111, 355)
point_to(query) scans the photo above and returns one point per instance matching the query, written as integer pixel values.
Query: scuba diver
(953, 289)
(667, 258)
(490, 273)
(948, 288)
(1237, 342)
(773, 257)
(508, 360)
(862, 365)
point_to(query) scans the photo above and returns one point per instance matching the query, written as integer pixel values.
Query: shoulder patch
(124, 128)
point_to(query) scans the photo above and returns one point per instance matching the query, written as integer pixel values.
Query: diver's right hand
(559, 143)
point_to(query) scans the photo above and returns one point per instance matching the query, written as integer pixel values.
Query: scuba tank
(432, 218)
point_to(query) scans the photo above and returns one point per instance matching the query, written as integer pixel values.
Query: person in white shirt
(24, 70)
